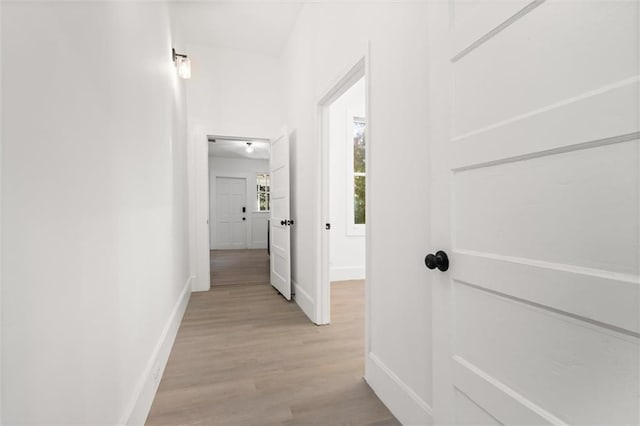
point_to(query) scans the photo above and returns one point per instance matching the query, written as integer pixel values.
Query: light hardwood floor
(246, 356)
(239, 267)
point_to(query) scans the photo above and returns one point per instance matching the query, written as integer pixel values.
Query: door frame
(199, 194)
(214, 194)
(359, 68)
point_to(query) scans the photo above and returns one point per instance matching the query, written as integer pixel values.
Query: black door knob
(283, 222)
(439, 260)
(290, 222)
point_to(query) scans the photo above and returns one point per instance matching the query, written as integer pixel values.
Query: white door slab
(535, 161)
(231, 213)
(280, 221)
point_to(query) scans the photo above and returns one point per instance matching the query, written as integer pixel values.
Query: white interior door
(231, 216)
(280, 222)
(535, 162)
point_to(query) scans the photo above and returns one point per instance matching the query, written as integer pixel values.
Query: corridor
(477, 161)
(244, 355)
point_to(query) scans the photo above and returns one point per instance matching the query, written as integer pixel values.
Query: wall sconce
(249, 148)
(182, 64)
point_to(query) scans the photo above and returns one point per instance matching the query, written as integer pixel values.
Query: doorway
(343, 113)
(239, 206)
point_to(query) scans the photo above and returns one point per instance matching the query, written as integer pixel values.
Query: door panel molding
(580, 292)
(470, 35)
(502, 402)
(554, 129)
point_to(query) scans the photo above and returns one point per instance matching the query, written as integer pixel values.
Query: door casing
(358, 69)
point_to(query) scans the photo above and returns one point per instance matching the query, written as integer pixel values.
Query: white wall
(347, 250)
(247, 169)
(94, 186)
(327, 41)
(234, 92)
(231, 93)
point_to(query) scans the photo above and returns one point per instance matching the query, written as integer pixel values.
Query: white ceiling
(237, 149)
(261, 27)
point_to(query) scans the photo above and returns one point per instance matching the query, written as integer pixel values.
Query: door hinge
(327, 226)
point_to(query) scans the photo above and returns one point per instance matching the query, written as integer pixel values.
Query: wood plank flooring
(239, 267)
(246, 356)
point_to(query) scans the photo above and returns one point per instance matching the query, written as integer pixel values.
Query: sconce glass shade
(184, 67)
(249, 148)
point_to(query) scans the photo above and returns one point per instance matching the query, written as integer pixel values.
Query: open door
(535, 148)
(280, 222)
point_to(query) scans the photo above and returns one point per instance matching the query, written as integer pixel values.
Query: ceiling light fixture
(182, 64)
(249, 148)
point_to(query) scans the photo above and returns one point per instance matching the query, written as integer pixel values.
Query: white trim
(321, 314)
(303, 300)
(368, 215)
(401, 400)
(358, 70)
(344, 273)
(504, 403)
(230, 247)
(199, 232)
(145, 391)
(238, 138)
(198, 201)
(258, 245)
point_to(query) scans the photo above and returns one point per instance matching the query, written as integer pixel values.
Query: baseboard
(303, 300)
(401, 400)
(227, 247)
(258, 245)
(345, 273)
(145, 391)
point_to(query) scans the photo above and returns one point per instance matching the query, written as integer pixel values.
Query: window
(263, 198)
(357, 168)
(359, 171)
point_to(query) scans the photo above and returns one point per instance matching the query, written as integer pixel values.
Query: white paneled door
(535, 165)
(231, 213)
(280, 221)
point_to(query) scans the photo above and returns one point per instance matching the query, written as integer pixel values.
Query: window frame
(353, 229)
(258, 192)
